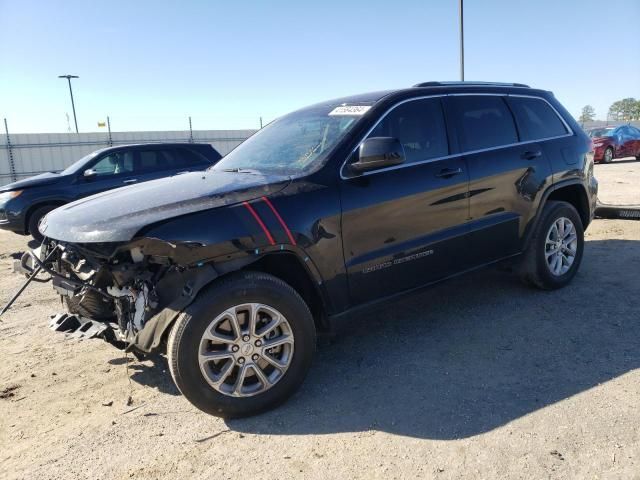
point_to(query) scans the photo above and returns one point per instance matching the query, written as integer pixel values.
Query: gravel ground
(619, 181)
(478, 377)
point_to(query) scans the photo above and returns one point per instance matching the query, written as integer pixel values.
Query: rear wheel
(243, 347)
(555, 250)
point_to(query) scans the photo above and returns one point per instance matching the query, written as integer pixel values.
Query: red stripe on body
(282, 222)
(260, 222)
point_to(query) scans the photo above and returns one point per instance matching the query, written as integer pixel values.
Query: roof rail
(485, 84)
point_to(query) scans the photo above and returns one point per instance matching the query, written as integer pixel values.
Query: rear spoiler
(622, 212)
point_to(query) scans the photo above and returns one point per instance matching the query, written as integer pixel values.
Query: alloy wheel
(246, 350)
(561, 246)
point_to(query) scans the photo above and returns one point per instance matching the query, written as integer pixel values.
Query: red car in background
(615, 142)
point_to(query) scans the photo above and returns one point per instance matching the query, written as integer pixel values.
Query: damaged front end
(127, 293)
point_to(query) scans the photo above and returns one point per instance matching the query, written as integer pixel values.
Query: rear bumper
(622, 212)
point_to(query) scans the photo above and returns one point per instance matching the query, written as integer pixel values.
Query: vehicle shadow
(153, 372)
(470, 355)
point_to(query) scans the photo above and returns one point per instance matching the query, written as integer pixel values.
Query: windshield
(297, 143)
(75, 166)
(602, 132)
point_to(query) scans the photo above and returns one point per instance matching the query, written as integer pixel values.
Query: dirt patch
(8, 392)
(619, 182)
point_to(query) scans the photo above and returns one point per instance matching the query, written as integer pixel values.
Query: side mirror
(378, 152)
(89, 173)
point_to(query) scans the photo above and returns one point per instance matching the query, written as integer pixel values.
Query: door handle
(448, 172)
(130, 180)
(531, 154)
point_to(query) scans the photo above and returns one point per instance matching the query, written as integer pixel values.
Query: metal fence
(25, 154)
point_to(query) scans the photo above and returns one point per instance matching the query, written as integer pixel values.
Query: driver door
(404, 226)
(111, 171)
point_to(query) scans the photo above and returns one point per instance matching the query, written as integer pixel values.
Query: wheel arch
(35, 206)
(572, 192)
(288, 267)
(284, 265)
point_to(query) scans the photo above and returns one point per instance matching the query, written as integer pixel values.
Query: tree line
(623, 110)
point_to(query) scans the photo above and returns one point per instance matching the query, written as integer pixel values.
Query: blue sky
(151, 64)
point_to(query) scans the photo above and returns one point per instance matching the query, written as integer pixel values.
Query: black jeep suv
(330, 208)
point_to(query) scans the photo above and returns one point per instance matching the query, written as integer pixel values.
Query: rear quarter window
(188, 158)
(483, 122)
(536, 119)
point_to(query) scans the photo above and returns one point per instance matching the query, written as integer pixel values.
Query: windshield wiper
(240, 170)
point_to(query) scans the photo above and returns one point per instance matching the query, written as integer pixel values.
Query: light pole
(461, 15)
(69, 77)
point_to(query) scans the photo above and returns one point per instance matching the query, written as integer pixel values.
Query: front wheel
(34, 221)
(243, 346)
(608, 155)
(555, 251)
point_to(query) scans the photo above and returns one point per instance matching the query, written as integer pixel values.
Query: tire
(34, 220)
(607, 158)
(535, 269)
(186, 343)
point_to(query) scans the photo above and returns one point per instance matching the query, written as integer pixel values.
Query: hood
(36, 181)
(601, 139)
(117, 215)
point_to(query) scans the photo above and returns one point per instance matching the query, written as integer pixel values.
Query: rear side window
(188, 158)
(154, 160)
(483, 122)
(536, 119)
(419, 125)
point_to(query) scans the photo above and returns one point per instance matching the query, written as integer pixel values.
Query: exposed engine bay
(136, 290)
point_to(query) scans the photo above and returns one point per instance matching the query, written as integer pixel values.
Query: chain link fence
(26, 154)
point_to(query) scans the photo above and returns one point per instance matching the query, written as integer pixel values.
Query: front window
(602, 132)
(78, 164)
(299, 142)
(114, 164)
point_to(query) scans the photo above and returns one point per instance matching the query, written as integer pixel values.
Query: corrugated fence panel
(37, 153)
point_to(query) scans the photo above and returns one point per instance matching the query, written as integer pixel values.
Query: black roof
(163, 144)
(470, 84)
(437, 87)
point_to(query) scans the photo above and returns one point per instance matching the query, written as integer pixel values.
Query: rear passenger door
(627, 142)
(506, 174)
(159, 162)
(635, 136)
(189, 160)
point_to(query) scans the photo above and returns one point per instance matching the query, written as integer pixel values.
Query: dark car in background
(25, 202)
(615, 142)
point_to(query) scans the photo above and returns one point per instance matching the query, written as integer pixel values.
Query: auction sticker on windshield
(350, 110)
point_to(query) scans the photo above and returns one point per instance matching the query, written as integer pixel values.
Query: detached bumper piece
(621, 212)
(76, 326)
